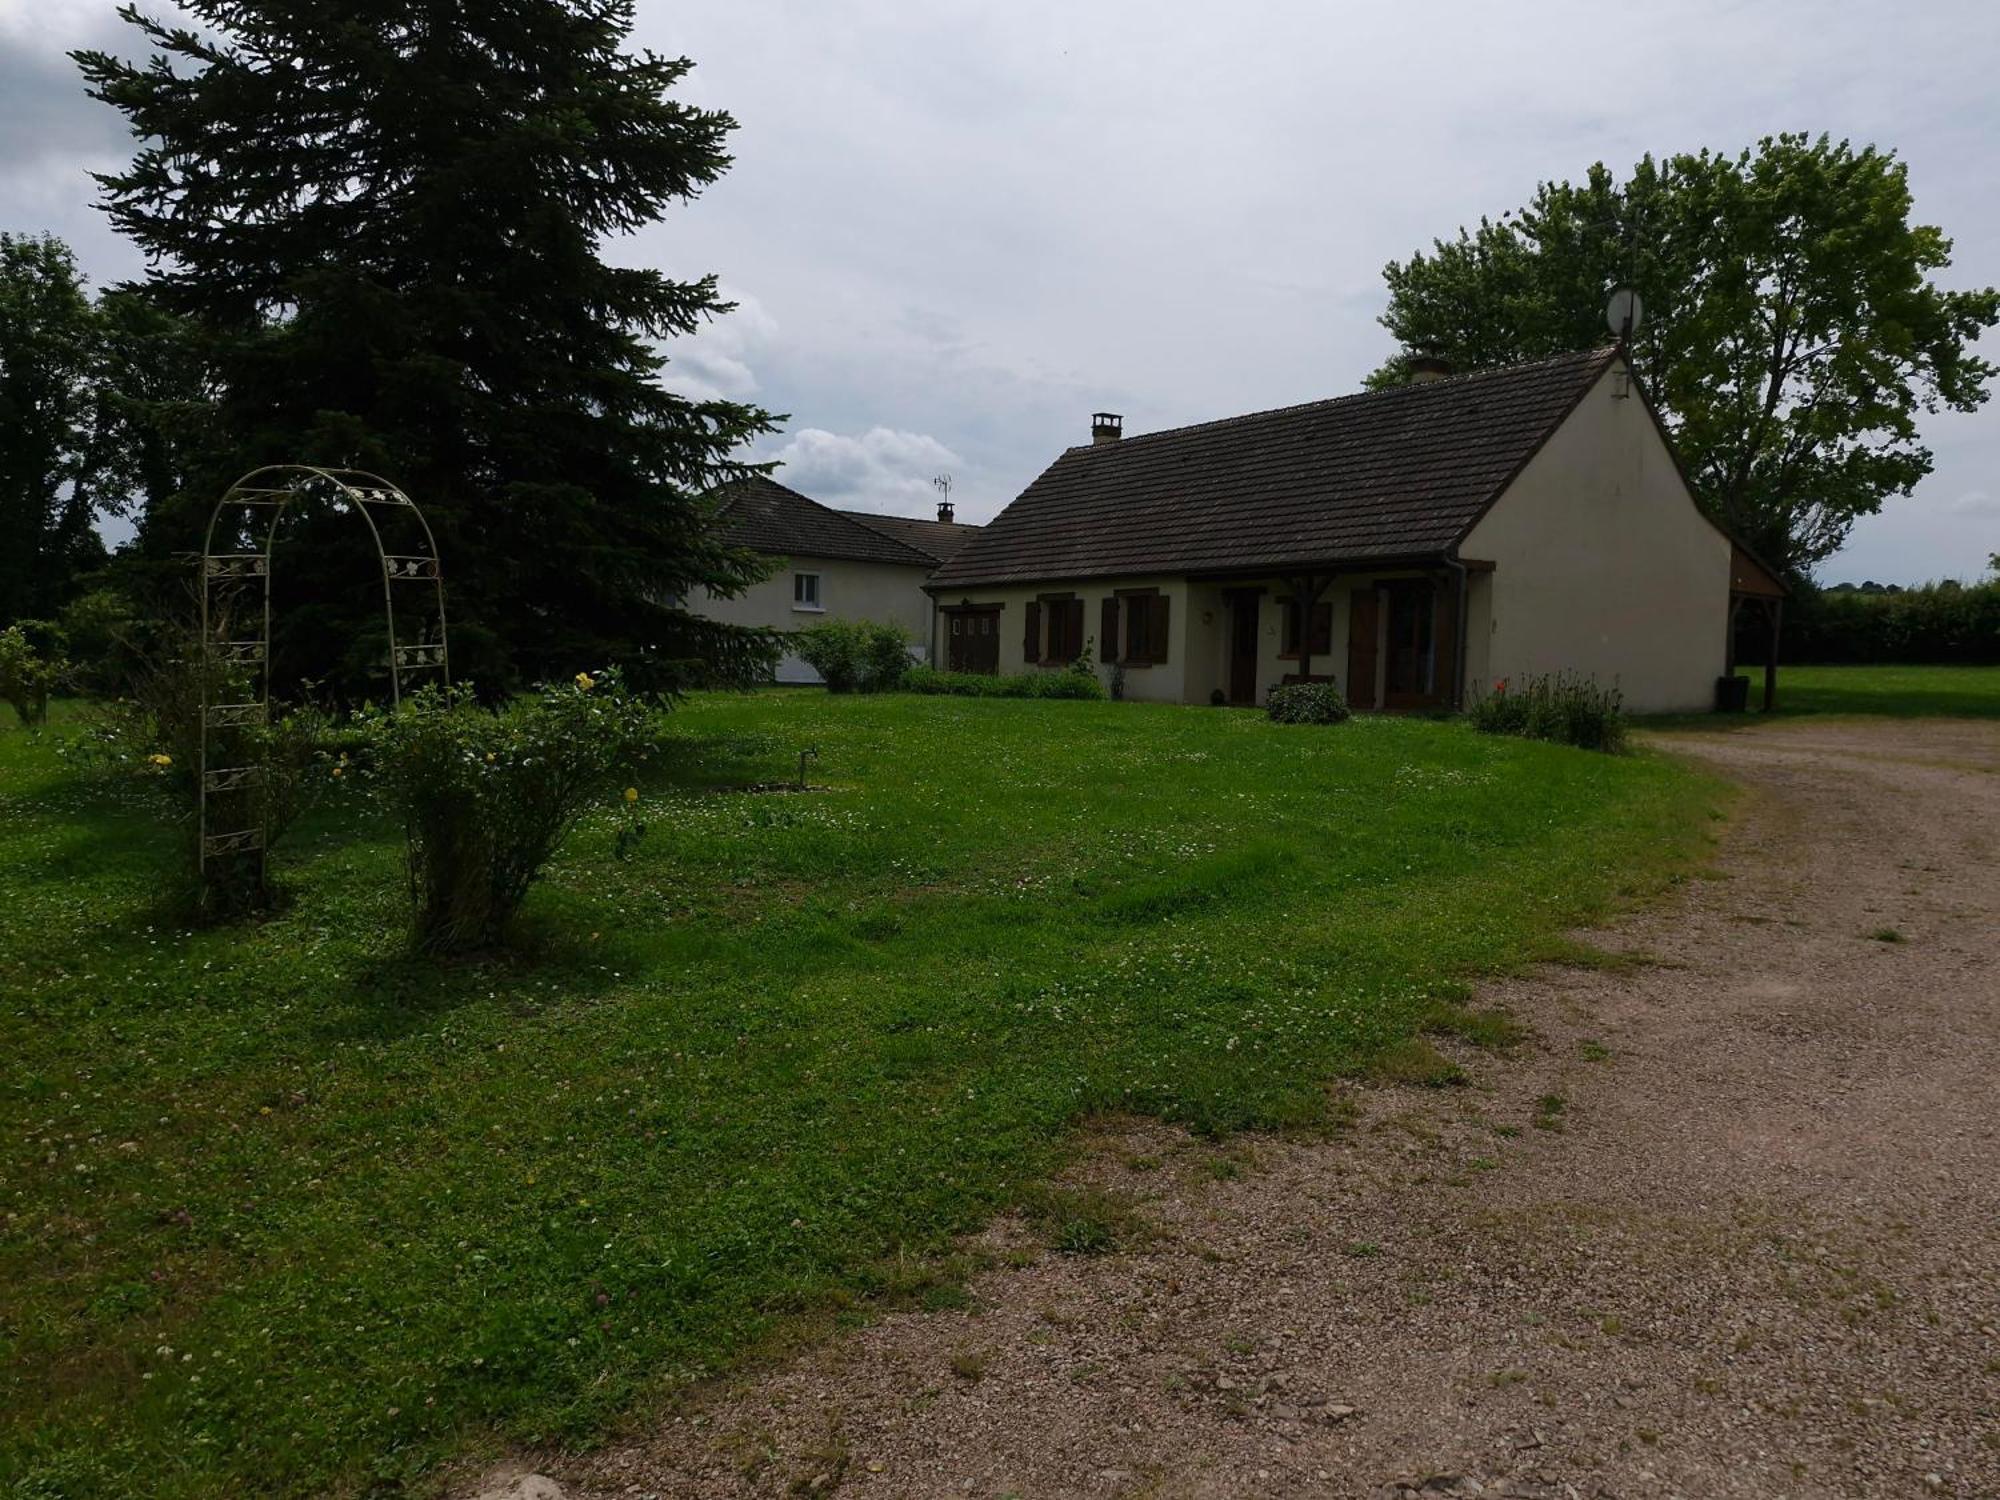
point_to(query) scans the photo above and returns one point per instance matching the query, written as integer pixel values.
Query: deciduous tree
(1793, 332)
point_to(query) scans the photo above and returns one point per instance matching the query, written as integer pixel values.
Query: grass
(1902, 692)
(283, 1210)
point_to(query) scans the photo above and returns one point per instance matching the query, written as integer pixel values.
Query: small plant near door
(1306, 703)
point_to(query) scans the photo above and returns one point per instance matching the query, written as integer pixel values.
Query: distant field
(1904, 691)
(284, 1211)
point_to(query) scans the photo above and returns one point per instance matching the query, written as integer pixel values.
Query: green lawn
(283, 1209)
(1901, 691)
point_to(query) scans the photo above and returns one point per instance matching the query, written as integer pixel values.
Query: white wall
(1163, 683)
(1603, 565)
(848, 590)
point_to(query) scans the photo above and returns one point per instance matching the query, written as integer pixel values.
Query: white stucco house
(831, 565)
(1411, 545)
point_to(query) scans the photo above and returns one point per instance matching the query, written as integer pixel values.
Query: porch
(1390, 640)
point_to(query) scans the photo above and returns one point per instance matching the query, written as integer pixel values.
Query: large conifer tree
(385, 219)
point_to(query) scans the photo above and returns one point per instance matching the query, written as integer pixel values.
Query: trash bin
(1732, 694)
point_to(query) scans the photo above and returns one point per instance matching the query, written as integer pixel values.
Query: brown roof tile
(938, 539)
(763, 515)
(1383, 474)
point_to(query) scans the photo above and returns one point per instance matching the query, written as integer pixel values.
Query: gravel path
(1728, 1226)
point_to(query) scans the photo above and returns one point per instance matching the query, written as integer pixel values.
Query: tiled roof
(761, 514)
(1383, 474)
(939, 539)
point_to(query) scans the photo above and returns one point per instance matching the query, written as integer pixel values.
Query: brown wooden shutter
(1158, 605)
(1362, 626)
(1031, 643)
(1107, 634)
(1073, 647)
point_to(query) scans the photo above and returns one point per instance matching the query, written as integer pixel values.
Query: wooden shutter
(1031, 643)
(1073, 647)
(1363, 624)
(1107, 634)
(1158, 605)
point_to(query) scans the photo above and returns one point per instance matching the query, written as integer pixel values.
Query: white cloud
(881, 470)
(715, 363)
(1977, 503)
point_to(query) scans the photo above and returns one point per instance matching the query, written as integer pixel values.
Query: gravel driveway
(1729, 1225)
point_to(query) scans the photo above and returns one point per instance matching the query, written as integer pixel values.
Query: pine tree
(385, 218)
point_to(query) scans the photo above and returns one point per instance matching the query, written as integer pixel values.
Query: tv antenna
(942, 484)
(1624, 313)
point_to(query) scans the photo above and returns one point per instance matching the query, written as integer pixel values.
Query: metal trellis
(235, 573)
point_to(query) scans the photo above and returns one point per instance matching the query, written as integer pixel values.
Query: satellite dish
(1624, 313)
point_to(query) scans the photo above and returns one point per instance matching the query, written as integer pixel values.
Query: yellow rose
(585, 681)
(160, 760)
(631, 794)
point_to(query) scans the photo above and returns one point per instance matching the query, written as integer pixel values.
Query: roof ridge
(1582, 357)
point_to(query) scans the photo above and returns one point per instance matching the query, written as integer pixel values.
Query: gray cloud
(975, 224)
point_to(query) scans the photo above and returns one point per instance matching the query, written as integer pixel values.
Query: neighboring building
(1411, 545)
(841, 565)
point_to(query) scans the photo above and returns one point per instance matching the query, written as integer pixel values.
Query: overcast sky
(957, 229)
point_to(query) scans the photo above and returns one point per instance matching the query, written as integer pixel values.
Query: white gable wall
(848, 590)
(1603, 566)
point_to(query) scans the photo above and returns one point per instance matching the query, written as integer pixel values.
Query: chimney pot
(944, 511)
(1425, 368)
(1106, 427)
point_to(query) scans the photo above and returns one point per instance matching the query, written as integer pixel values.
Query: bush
(488, 796)
(154, 735)
(866, 656)
(1565, 709)
(1068, 683)
(31, 667)
(1306, 703)
(1937, 624)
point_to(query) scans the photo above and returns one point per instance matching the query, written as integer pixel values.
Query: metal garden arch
(236, 572)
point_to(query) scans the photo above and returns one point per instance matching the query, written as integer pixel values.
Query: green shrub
(1068, 683)
(31, 667)
(487, 796)
(1565, 708)
(866, 656)
(153, 735)
(1941, 624)
(1306, 703)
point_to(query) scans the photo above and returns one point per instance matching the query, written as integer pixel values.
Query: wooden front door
(1364, 633)
(972, 640)
(1409, 656)
(1243, 624)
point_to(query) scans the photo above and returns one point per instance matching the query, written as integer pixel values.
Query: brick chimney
(1106, 427)
(1425, 368)
(944, 511)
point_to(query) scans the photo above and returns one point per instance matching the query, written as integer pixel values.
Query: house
(1411, 545)
(834, 565)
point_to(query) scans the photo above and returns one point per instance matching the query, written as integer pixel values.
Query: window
(1065, 630)
(805, 591)
(1143, 615)
(1322, 629)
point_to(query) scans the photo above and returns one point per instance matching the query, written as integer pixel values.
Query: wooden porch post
(1777, 607)
(1729, 650)
(1306, 589)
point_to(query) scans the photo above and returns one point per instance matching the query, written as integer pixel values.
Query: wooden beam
(1771, 657)
(1729, 650)
(1306, 589)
